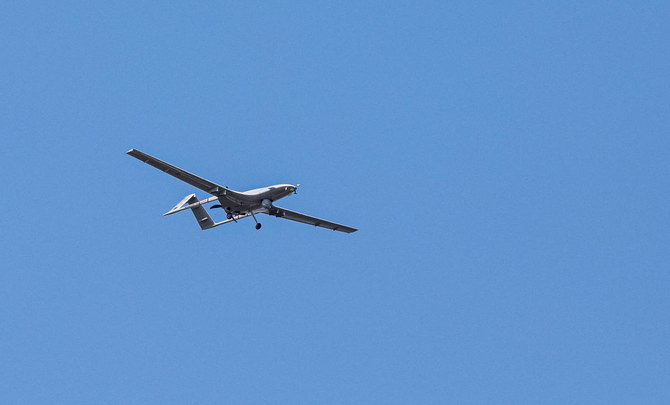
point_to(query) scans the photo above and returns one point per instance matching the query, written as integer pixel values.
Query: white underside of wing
(307, 219)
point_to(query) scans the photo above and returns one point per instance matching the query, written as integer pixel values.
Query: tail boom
(187, 203)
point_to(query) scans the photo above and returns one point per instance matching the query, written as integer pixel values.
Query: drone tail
(200, 213)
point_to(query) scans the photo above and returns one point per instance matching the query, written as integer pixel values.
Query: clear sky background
(506, 163)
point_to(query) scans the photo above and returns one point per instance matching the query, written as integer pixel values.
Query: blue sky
(507, 165)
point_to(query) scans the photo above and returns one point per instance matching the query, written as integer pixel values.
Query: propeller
(216, 206)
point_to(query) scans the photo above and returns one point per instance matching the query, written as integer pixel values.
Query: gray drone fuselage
(253, 200)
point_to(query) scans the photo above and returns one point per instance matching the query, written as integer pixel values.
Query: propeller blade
(215, 206)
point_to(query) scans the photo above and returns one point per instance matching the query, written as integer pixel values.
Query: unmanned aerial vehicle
(236, 204)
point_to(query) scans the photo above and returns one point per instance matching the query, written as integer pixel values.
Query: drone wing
(183, 175)
(306, 219)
